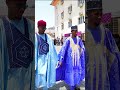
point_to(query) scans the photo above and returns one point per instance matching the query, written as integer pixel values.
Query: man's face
(74, 32)
(16, 8)
(41, 29)
(95, 16)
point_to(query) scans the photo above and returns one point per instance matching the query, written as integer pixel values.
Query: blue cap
(74, 28)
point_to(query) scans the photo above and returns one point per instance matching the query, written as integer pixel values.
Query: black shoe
(76, 88)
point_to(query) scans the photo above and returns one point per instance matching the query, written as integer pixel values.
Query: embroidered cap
(75, 28)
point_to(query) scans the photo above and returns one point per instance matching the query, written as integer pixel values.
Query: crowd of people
(58, 41)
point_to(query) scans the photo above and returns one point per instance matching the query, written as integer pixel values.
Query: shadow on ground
(61, 85)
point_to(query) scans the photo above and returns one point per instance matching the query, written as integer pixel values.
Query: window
(113, 26)
(62, 15)
(81, 20)
(70, 9)
(80, 2)
(62, 26)
(70, 23)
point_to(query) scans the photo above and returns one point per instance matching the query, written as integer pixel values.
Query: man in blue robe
(16, 48)
(102, 54)
(45, 58)
(71, 66)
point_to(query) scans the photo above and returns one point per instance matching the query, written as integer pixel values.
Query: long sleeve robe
(15, 78)
(102, 60)
(45, 64)
(72, 70)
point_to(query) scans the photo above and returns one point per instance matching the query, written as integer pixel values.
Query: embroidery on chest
(74, 46)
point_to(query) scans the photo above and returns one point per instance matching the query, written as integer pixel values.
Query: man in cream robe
(102, 54)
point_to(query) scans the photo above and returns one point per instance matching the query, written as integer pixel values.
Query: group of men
(98, 61)
(71, 61)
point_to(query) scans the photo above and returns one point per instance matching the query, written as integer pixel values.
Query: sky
(44, 11)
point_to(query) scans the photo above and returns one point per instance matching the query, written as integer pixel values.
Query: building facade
(69, 13)
(51, 32)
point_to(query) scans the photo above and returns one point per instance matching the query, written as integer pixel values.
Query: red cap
(41, 23)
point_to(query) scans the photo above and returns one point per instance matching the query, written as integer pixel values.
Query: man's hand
(59, 63)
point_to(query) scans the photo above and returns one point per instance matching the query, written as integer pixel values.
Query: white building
(51, 31)
(68, 13)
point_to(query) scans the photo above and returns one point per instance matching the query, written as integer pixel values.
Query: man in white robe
(45, 58)
(16, 48)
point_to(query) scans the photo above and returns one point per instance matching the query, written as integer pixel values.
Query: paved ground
(60, 85)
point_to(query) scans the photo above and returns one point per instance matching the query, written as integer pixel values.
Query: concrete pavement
(61, 85)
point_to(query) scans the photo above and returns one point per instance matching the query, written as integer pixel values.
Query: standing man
(16, 48)
(102, 72)
(45, 58)
(72, 60)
